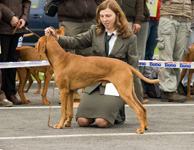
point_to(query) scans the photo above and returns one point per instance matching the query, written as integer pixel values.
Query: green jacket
(184, 8)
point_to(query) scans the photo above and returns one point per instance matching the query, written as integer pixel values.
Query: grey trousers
(74, 28)
(172, 40)
(141, 40)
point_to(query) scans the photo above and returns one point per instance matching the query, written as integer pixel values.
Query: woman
(95, 106)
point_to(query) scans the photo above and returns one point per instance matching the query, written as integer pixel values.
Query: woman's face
(108, 17)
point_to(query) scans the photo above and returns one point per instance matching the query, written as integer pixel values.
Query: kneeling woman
(111, 37)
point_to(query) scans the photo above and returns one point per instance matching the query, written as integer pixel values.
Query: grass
(156, 51)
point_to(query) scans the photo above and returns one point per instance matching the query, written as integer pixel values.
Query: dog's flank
(74, 72)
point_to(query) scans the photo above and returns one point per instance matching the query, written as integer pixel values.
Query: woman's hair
(121, 22)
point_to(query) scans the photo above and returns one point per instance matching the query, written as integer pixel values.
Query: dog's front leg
(63, 98)
(69, 112)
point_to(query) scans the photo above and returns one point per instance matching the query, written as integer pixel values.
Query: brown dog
(69, 77)
(189, 57)
(28, 53)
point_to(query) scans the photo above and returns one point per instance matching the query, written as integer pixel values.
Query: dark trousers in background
(151, 39)
(9, 54)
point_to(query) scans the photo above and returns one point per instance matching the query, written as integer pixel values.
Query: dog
(28, 53)
(69, 77)
(189, 57)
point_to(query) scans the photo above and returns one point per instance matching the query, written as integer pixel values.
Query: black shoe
(14, 100)
(122, 114)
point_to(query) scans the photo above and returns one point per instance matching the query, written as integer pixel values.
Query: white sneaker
(5, 103)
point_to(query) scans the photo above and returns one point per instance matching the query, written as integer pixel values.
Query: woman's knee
(102, 123)
(84, 122)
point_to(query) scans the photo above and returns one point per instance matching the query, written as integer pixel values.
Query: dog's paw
(67, 124)
(37, 92)
(188, 97)
(140, 131)
(57, 126)
(46, 102)
(25, 91)
(26, 101)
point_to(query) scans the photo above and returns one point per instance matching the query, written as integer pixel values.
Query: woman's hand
(136, 28)
(50, 31)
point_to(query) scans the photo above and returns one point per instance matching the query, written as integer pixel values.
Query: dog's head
(41, 44)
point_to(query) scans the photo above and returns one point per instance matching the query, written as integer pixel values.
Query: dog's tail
(142, 77)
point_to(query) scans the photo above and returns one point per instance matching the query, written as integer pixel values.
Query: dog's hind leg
(36, 76)
(188, 85)
(47, 78)
(183, 72)
(126, 93)
(125, 88)
(30, 81)
(22, 72)
(64, 94)
(142, 107)
(69, 109)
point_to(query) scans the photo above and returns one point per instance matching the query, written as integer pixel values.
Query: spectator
(3, 99)
(173, 34)
(18, 16)
(77, 17)
(152, 34)
(142, 34)
(122, 45)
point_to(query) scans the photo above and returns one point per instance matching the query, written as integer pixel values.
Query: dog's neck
(54, 51)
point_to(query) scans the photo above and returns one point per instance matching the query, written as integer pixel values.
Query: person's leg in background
(171, 36)
(151, 39)
(9, 53)
(141, 41)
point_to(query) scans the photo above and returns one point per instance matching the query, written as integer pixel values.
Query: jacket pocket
(120, 56)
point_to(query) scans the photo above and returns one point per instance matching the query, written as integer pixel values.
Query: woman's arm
(80, 41)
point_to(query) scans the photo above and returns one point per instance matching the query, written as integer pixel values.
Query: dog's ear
(41, 45)
(61, 30)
